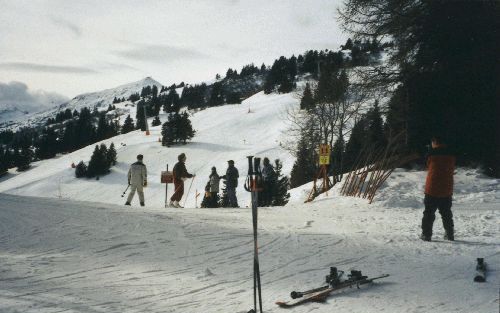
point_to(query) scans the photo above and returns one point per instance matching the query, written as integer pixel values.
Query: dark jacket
(231, 177)
(180, 171)
(440, 167)
(268, 173)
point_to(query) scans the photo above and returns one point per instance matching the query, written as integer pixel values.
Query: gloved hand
(129, 182)
(145, 184)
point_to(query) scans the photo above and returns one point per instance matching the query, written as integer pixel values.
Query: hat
(140, 157)
(181, 157)
(213, 168)
(230, 162)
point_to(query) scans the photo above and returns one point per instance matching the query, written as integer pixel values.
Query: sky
(67, 48)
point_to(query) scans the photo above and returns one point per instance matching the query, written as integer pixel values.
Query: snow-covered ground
(73, 247)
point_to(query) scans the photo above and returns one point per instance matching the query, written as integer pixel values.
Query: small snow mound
(308, 223)
(208, 272)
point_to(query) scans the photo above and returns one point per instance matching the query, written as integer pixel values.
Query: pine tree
(85, 129)
(111, 155)
(304, 168)
(216, 95)
(98, 164)
(102, 127)
(81, 170)
(168, 131)
(375, 126)
(184, 128)
(156, 121)
(307, 101)
(224, 199)
(356, 144)
(8, 158)
(282, 185)
(3, 161)
(337, 156)
(47, 145)
(128, 125)
(23, 160)
(140, 116)
(154, 91)
(68, 143)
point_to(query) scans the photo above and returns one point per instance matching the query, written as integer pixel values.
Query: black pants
(444, 206)
(266, 195)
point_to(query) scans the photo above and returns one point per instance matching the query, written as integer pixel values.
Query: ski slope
(222, 133)
(70, 245)
(61, 255)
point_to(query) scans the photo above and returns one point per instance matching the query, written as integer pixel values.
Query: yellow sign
(324, 154)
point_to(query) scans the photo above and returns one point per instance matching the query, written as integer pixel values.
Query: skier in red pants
(180, 175)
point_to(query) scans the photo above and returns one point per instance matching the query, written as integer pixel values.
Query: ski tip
(479, 279)
(282, 304)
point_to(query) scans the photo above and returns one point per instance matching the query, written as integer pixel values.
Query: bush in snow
(81, 170)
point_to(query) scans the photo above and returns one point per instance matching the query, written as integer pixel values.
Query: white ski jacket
(137, 174)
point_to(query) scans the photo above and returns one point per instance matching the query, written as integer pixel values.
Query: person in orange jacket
(438, 189)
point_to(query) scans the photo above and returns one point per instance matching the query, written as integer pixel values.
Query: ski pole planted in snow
(189, 189)
(251, 185)
(123, 194)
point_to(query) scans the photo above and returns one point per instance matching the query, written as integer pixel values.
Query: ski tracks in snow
(70, 256)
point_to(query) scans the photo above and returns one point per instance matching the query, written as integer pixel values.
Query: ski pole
(189, 189)
(123, 194)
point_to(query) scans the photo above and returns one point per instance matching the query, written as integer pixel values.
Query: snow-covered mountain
(17, 101)
(76, 247)
(14, 117)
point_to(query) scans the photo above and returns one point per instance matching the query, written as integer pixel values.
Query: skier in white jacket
(137, 179)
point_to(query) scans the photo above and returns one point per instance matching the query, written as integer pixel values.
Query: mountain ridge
(98, 99)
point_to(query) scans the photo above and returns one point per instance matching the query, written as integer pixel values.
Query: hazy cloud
(33, 67)
(76, 30)
(160, 53)
(17, 95)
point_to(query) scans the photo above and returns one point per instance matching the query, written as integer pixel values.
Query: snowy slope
(223, 133)
(61, 254)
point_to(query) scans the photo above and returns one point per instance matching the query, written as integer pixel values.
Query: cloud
(76, 30)
(160, 53)
(33, 67)
(16, 95)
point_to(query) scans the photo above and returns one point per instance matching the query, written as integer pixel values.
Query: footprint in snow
(308, 224)
(208, 272)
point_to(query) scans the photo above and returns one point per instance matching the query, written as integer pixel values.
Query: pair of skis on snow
(334, 284)
(355, 279)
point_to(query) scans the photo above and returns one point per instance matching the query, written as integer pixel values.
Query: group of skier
(438, 187)
(137, 180)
